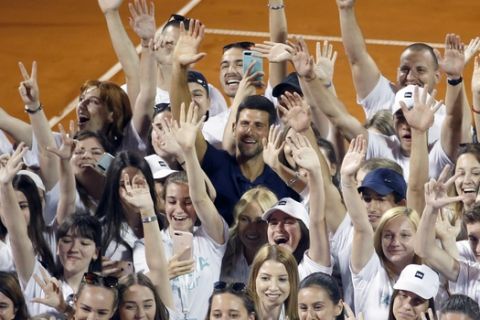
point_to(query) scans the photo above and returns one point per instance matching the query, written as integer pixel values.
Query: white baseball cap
(291, 207)
(35, 177)
(159, 167)
(406, 95)
(418, 279)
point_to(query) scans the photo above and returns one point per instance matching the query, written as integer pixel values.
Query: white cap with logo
(159, 167)
(291, 207)
(418, 279)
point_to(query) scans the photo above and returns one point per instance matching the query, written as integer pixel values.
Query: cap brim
(282, 87)
(381, 190)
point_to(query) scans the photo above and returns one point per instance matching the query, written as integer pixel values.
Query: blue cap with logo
(385, 181)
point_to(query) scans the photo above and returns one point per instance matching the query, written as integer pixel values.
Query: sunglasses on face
(223, 286)
(95, 279)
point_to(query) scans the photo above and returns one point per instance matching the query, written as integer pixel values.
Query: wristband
(30, 111)
(276, 7)
(149, 219)
(454, 82)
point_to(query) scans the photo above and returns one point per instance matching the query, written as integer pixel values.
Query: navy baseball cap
(290, 84)
(385, 181)
(197, 77)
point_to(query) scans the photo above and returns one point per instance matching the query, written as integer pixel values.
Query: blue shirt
(229, 182)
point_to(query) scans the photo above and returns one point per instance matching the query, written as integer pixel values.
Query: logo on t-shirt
(419, 274)
(408, 94)
(281, 203)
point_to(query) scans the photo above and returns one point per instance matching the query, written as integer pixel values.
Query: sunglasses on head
(95, 279)
(235, 286)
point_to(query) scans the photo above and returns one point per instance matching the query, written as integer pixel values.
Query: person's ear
(95, 255)
(338, 309)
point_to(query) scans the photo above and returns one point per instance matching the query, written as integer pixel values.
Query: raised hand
(295, 111)
(421, 116)
(52, 290)
(273, 51)
(354, 157)
(444, 229)
(109, 5)
(165, 140)
(65, 151)
(325, 62)
(249, 83)
(186, 50)
(28, 88)
(116, 268)
(303, 154)
(453, 61)
(302, 60)
(349, 315)
(476, 77)
(273, 146)
(185, 132)
(137, 193)
(142, 20)
(435, 197)
(345, 4)
(472, 48)
(13, 165)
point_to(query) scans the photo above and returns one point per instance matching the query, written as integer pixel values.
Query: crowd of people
(166, 201)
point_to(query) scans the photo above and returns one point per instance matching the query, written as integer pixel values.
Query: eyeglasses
(235, 286)
(95, 279)
(161, 107)
(245, 45)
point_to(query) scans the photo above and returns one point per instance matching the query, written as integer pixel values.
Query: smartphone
(102, 165)
(126, 268)
(248, 58)
(182, 240)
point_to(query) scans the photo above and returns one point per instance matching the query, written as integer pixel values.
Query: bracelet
(149, 219)
(30, 111)
(294, 179)
(474, 110)
(454, 82)
(276, 7)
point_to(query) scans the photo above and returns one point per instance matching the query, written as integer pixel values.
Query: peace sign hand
(28, 88)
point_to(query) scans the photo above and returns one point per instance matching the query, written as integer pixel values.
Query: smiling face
(408, 306)
(86, 154)
(252, 230)
(94, 302)
(468, 181)
(76, 253)
(138, 303)
(231, 71)
(157, 135)
(284, 230)
(376, 205)
(249, 130)
(179, 209)
(228, 306)
(417, 67)
(169, 37)
(92, 112)
(398, 239)
(199, 97)
(272, 284)
(315, 303)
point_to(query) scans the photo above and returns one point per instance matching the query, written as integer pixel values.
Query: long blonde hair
(285, 257)
(388, 216)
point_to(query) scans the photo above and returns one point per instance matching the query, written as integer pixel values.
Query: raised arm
(365, 72)
(452, 64)
(138, 195)
(184, 55)
(420, 119)
(277, 24)
(123, 47)
(362, 243)
(185, 134)
(68, 192)
(425, 244)
(14, 218)
(30, 94)
(476, 93)
(143, 23)
(323, 101)
(307, 159)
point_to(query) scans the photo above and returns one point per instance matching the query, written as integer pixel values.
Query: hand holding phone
(182, 245)
(102, 165)
(250, 57)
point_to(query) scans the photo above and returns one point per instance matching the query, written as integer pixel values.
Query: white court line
(114, 70)
(243, 33)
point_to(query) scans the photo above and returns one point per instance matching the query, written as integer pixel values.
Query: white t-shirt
(382, 97)
(468, 281)
(372, 290)
(381, 146)
(307, 266)
(194, 289)
(6, 258)
(121, 252)
(341, 248)
(33, 290)
(465, 251)
(214, 127)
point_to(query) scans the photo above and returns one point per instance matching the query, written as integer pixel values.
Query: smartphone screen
(104, 162)
(248, 58)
